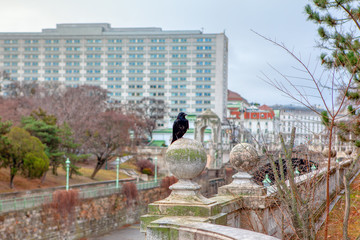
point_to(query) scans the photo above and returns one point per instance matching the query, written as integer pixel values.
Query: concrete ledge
(185, 228)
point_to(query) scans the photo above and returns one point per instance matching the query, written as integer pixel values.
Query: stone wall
(270, 218)
(90, 217)
(252, 210)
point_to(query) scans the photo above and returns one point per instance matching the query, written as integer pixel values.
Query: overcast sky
(249, 55)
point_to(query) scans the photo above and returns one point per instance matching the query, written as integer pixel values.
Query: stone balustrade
(239, 207)
(186, 214)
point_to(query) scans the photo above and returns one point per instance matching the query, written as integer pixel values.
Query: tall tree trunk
(54, 169)
(43, 177)
(327, 211)
(347, 207)
(12, 176)
(99, 165)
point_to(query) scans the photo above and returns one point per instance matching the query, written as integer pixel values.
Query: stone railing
(241, 205)
(186, 214)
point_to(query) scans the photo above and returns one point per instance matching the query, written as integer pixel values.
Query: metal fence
(7, 205)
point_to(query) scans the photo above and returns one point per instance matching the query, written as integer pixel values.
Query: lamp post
(155, 177)
(117, 172)
(67, 173)
(132, 136)
(266, 181)
(313, 168)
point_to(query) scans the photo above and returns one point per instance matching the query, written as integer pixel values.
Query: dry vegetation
(337, 215)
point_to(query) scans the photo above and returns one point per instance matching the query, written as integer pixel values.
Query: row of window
(113, 86)
(113, 71)
(203, 63)
(111, 56)
(203, 55)
(159, 94)
(77, 49)
(178, 102)
(200, 94)
(178, 109)
(114, 94)
(115, 63)
(76, 41)
(134, 71)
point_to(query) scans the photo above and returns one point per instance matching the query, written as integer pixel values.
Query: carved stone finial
(186, 159)
(243, 157)
(325, 153)
(348, 152)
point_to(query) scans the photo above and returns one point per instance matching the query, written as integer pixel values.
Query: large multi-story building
(309, 127)
(187, 69)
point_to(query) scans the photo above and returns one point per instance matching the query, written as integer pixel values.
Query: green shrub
(147, 171)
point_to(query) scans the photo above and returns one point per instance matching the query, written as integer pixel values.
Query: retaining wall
(90, 217)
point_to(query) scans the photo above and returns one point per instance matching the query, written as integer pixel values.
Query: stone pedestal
(242, 185)
(185, 192)
(186, 159)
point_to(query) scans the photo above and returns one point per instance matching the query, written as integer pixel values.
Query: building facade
(309, 128)
(188, 69)
(253, 124)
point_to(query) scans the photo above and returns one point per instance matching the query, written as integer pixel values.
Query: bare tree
(309, 86)
(151, 111)
(107, 135)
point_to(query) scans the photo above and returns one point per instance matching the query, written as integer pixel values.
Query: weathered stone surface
(91, 217)
(170, 228)
(243, 157)
(186, 158)
(242, 185)
(325, 153)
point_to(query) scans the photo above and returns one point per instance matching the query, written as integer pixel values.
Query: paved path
(130, 233)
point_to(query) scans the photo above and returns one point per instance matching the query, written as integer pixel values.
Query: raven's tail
(174, 138)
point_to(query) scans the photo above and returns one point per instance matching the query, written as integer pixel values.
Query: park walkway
(126, 233)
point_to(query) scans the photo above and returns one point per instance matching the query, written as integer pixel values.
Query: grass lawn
(102, 175)
(337, 215)
(21, 183)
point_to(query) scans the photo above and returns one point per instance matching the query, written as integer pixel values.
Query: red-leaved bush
(166, 182)
(65, 201)
(129, 189)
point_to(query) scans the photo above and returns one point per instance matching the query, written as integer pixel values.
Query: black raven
(181, 125)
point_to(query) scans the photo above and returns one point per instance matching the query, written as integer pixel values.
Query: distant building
(187, 69)
(309, 128)
(249, 123)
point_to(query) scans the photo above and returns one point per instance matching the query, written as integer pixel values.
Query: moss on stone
(220, 219)
(216, 209)
(145, 220)
(187, 211)
(190, 154)
(174, 234)
(154, 209)
(161, 232)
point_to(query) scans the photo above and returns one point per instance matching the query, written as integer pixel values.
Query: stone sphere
(186, 158)
(244, 157)
(325, 153)
(348, 152)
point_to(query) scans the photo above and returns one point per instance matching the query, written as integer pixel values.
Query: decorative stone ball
(244, 157)
(325, 153)
(348, 152)
(186, 158)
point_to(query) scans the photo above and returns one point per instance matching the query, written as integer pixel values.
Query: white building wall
(308, 125)
(187, 69)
